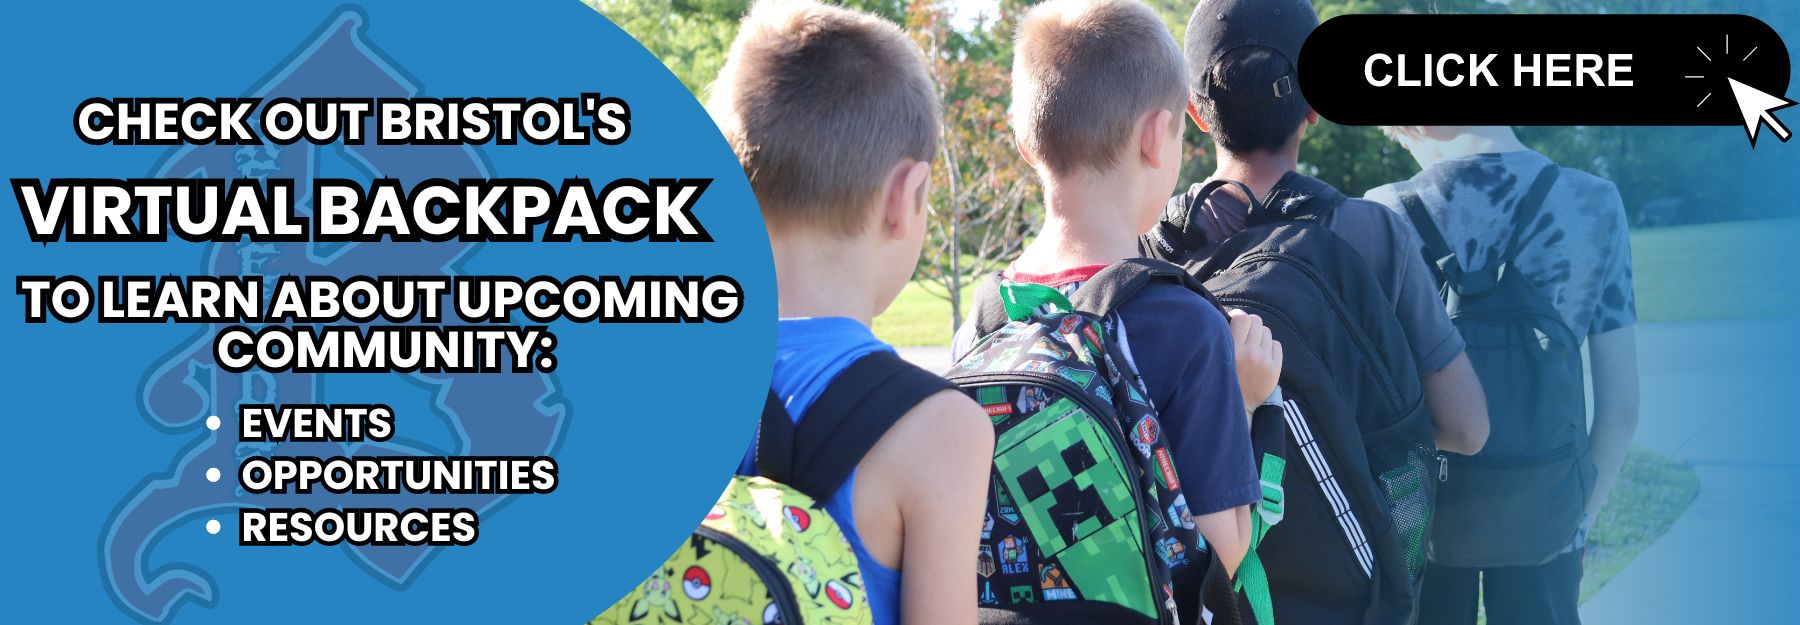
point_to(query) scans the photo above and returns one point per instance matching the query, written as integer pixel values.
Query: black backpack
(1351, 548)
(1087, 522)
(1519, 501)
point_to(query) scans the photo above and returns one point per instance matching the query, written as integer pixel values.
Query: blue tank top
(810, 352)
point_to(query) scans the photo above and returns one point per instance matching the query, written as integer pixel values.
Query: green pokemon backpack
(768, 552)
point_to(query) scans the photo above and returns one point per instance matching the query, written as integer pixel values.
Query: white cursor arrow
(1756, 106)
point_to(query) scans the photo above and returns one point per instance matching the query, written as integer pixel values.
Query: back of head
(1242, 56)
(820, 103)
(1084, 71)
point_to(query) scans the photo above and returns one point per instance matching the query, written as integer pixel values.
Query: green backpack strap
(991, 304)
(998, 300)
(1268, 431)
(1022, 299)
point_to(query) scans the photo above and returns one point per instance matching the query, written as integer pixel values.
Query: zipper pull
(1443, 468)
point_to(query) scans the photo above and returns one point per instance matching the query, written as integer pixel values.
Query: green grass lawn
(920, 316)
(1653, 491)
(1732, 270)
(1710, 271)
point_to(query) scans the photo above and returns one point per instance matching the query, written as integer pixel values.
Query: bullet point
(212, 474)
(212, 423)
(212, 526)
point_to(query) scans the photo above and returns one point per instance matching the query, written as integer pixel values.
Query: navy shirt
(1182, 347)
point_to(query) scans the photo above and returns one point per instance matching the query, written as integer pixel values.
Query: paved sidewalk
(1714, 394)
(935, 359)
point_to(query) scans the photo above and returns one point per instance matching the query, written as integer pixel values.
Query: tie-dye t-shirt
(1578, 250)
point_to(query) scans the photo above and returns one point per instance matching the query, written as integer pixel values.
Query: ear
(1312, 117)
(903, 198)
(1194, 114)
(1024, 154)
(1153, 136)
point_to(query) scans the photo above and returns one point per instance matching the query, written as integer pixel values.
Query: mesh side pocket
(1408, 488)
(1404, 457)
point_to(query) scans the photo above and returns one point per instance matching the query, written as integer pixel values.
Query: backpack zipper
(1357, 336)
(1561, 452)
(1116, 434)
(780, 589)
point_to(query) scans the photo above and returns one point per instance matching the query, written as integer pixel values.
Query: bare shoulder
(944, 439)
(948, 422)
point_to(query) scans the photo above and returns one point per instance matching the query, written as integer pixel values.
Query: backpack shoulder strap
(1167, 239)
(1118, 282)
(1176, 237)
(1297, 197)
(1528, 209)
(818, 455)
(1437, 251)
(990, 311)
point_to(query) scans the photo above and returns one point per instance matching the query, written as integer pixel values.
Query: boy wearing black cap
(1242, 89)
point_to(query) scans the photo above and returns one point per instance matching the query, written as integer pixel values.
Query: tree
(986, 200)
(691, 37)
(983, 193)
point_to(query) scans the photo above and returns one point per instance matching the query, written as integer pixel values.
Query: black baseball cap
(1220, 26)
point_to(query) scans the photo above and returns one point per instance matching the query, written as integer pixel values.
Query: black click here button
(1547, 70)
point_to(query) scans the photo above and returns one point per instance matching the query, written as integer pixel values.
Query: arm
(1258, 360)
(1452, 392)
(1613, 358)
(1227, 533)
(1458, 406)
(924, 487)
(1255, 366)
(1186, 353)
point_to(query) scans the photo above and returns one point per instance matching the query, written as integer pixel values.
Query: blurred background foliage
(1666, 175)
(985, 198)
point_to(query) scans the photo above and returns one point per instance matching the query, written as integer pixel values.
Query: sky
(968, 10)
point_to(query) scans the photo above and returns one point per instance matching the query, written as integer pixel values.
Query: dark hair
(1241, 108)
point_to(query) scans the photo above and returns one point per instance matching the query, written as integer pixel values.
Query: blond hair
(1083, 72)
(820, 103)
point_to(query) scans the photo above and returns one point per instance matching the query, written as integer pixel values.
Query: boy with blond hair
(835, 121)
(1098, 91)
